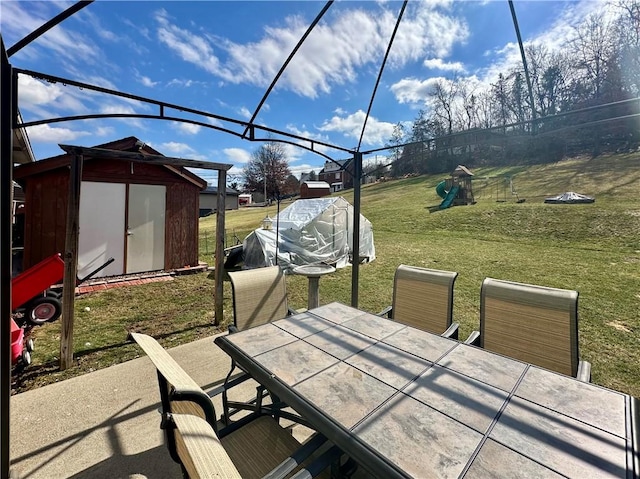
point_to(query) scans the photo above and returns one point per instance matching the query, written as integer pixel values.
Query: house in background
(337, 178)
(314, 189)
(209, 200)
(143, 215)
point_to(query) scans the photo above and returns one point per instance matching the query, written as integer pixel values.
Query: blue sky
(221, 56)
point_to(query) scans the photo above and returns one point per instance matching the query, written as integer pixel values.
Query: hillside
(592, 248)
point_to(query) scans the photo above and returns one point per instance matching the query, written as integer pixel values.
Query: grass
(593, 248)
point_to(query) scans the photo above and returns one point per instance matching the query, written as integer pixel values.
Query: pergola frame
(9, 121)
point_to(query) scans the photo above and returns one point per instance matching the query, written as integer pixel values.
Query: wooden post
(219, 257)
(70, 263)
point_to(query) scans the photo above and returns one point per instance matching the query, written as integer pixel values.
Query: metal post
(524, 65)
(6, 193)
(355, 263)
(218, 274)
(70, 262)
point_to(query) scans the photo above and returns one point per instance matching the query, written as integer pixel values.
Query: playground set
(457, 189)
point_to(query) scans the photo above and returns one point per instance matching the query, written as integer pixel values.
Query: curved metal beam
(524, 64)
(162, 105)
(47, 26)
(287, 61)
(98, 116)
(384, 62)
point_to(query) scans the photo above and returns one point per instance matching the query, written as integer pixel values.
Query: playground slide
(441, 189)
(451, 194)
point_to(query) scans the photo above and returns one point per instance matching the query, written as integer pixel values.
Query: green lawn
(593, 248)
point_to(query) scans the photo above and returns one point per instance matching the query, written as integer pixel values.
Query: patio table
(406, 403)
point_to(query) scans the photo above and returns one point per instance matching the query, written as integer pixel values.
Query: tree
(267, 170)
(313, 176)
(291, 186)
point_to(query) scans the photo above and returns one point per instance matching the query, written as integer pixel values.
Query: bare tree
(267, 171)
(594, 49)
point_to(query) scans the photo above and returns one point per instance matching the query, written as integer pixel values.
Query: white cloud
(237, 155)
(186, 128)
(439, 64)
(244, 112)
(20, 19)
(114, 109)
(333, 54)
(376, 133)
(49, 134)
(146, 81)
(176, 148)
(412, 90)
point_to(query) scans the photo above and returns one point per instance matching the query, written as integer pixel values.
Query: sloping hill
(592, 248)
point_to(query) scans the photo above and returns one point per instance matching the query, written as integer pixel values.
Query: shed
(145, 216)
(314, 189)
(209, 200)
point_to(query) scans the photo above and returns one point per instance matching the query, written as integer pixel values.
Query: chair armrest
(473, 339)
(199, 449)
(452, 331)
(584, 371)
(388, 312)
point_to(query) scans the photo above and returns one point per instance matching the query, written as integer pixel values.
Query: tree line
(583, 98)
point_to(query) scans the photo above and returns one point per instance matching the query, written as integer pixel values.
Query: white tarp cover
(570, 197)
(310, 231)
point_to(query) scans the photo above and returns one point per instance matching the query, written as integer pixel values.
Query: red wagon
(37, 304)
(29, 291)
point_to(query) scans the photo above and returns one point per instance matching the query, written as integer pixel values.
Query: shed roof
(128, 144)
(213, 190)
(316, 184)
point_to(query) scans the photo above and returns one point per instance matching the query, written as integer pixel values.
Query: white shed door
(145, 231)
(101, 228)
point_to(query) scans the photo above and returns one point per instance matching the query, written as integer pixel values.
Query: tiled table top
(406, 403)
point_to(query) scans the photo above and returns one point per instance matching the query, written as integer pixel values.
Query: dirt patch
(619, 326)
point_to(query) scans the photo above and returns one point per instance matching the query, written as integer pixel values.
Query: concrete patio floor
(105, 424)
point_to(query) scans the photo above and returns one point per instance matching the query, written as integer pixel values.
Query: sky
(220, 57)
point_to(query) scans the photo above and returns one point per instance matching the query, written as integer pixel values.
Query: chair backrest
(179, 393)
(423, 298)
(535, 324)
(259, 296)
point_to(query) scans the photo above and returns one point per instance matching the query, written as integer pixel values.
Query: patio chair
(423, 299)
(535, 324)
(254, 447)
(259, 296)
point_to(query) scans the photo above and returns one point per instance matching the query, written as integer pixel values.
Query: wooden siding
(46, 208)
(181, 237)
(45, 216)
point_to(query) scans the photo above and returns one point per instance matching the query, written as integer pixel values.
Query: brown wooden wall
(46, 208)
(181, 232)
(45, 216)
